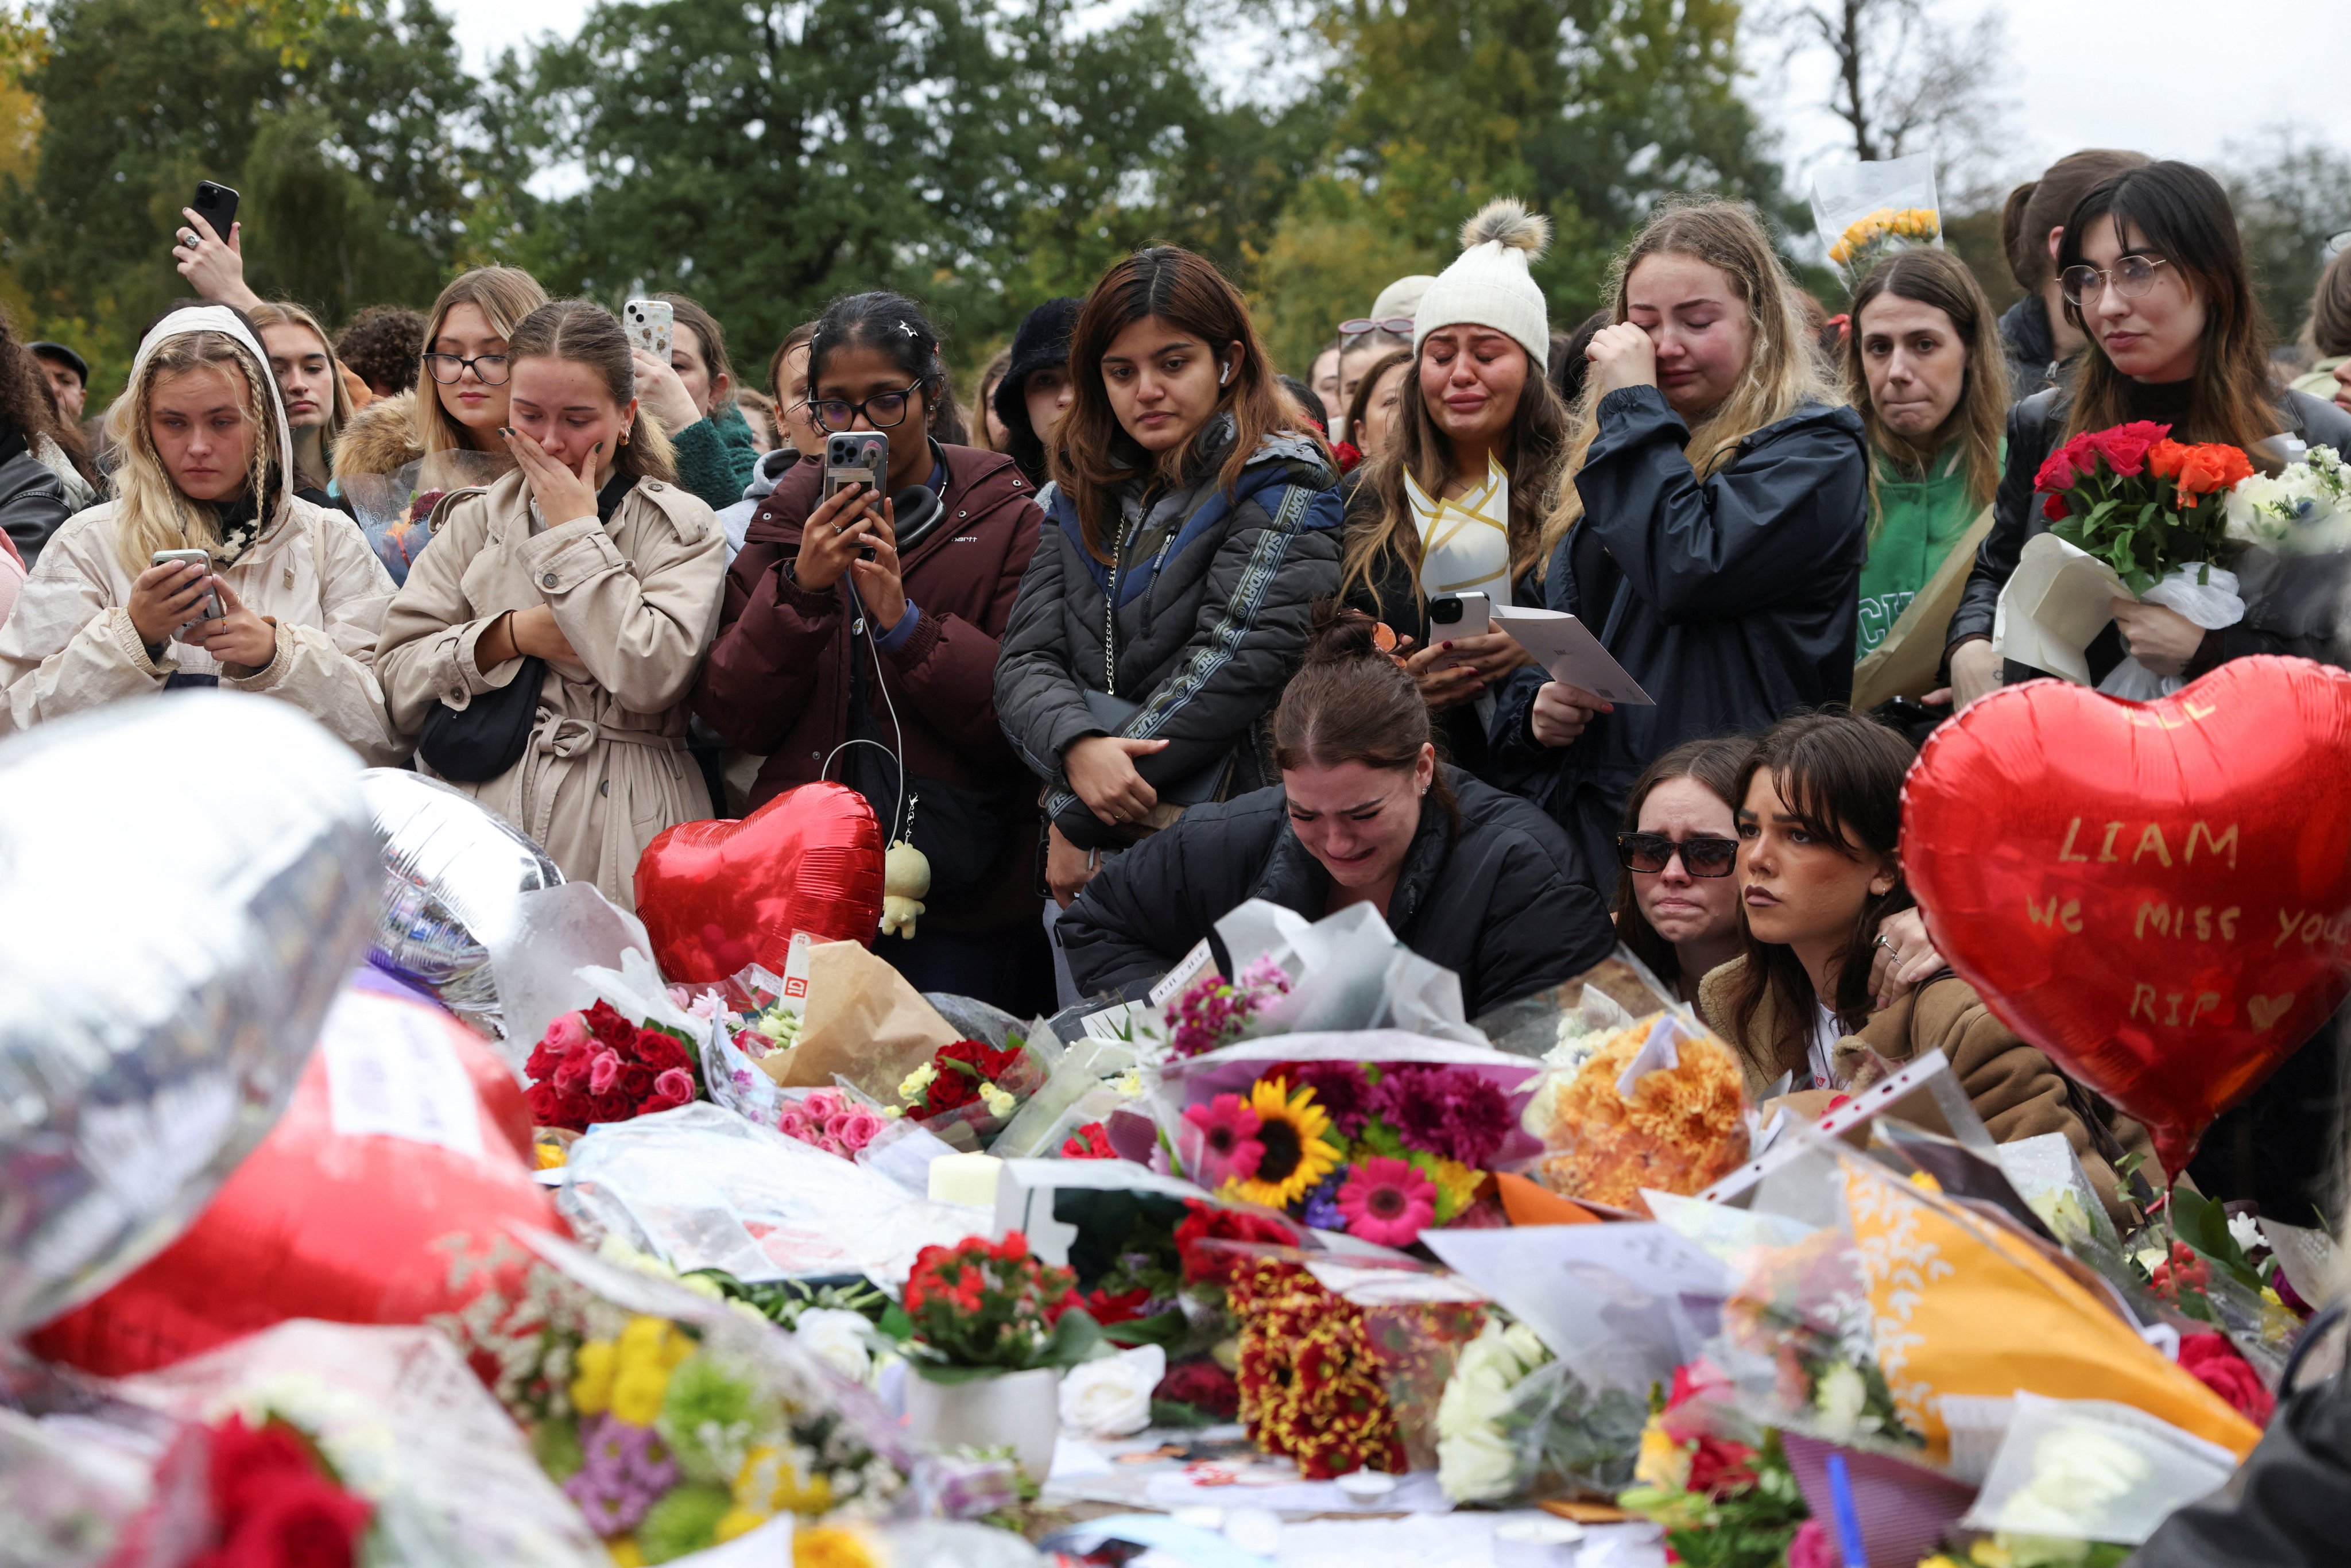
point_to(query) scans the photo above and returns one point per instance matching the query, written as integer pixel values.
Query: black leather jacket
(2291, 604)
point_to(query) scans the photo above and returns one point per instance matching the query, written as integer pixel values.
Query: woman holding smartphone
(693, 397)
(589, 560)
(288, 598)
(1194, 522)
(459, 405)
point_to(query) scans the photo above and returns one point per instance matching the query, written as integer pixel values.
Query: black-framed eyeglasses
(1702, 854)
(1400, 326)
(2132, 276)
(489, 369)
(882, 411)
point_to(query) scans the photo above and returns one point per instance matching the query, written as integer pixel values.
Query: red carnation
(1090, 1141)
(2216, 1364)
(1720, 1465)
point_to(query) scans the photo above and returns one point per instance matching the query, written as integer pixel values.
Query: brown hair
(384, 346)
(1841, 774)
(2328, 331)
(1350, 702)
(27, 403)
(1714, 765)
(2184, 216)
(1093, 455)
(983, 395)
(282, 313)
(2035, 207)
(505, 295)
(1361, 403)
(799, 337)
(1979, 420)
(585, 333)
(704, 326)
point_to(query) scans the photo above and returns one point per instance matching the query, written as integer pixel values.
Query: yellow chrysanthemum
(1299, 1152)
(1458, 1183)
(592, 1383)
(648, 1351)
(830, 1546)
(549, 1154)
(734, 1522)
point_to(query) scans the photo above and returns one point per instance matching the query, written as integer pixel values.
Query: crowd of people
(1146, 628)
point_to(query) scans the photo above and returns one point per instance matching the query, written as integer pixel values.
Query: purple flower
(1340, 1088)
(1323, 1211)
(625, 1470)
(1451, 1113)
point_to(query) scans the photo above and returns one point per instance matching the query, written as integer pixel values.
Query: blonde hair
(150, 512)
(504, 295)
(1783, 364)
(285, 313)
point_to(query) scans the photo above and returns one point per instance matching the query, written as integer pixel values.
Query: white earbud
(1225, 373)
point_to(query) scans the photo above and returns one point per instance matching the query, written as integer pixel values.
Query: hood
(769, 470)
(381, 438)
(2024, 327)
(230, 324)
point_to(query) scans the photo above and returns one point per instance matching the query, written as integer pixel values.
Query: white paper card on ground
(2056, 603)
(1567, 650)
(392, 1069)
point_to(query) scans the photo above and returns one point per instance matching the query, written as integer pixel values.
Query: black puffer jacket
(33, 502)
(1732, 600)
(2030, 346)
(1501, 900)
(2290, 606)
(1206, 609)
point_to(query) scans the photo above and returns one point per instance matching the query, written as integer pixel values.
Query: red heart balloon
(405, 1151)
(716, 897)
(2156, 895)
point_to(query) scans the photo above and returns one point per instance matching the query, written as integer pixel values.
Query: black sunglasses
(1650, 854)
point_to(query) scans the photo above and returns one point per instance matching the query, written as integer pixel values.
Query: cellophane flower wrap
(983, 1307)
(1378, 1133)
(2146, 505)
(674, 1421)
(969, 1090)
(2303, 510)
(1865, 211)
(1677, 1124)
(601, 1066)
(1516, 1424)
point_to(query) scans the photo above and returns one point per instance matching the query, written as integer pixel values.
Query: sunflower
(1292, 1130)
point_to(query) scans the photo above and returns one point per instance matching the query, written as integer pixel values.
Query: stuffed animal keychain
(905, 880)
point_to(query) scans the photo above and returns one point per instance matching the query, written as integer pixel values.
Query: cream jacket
(638, 599)
(70, 644)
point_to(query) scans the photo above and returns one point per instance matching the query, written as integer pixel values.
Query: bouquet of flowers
(983, 1307)
(1381, 1150)
(970, 1083)
(2149, 507)
(1311, 1383)
(1724, 1502)
(1864, 212)
(597, 1066)
(831, 1121)
(1653, 1105)
(272, 1497)
(1216, 1011)
(2303, 510)
(1515, 1422)
(1883, 232)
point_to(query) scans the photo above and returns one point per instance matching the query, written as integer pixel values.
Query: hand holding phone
(651, 325)
(175, 590)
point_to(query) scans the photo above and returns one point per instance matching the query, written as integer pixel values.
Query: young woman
(758, 412)
(1322, 375)
(1923, 365)
(1454, 503)
(1712, 536)
(1192, 526)
(1676, 904)
(459, 404)
(1820, 815)
(875, 619)
(289, 602)
(589, 560)
(1370, 422)
(310, 381)
(45, 473)
(787, 373)
(693, 397)
(2154, 274)
(2035, 334)
(1036, 391)
(1465, 875)
(989, 432)
(2327, 335)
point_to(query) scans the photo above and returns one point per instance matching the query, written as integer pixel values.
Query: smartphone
(1453, 616)
(212, 609)
(857, 457)
(651, 324)
(217, 205)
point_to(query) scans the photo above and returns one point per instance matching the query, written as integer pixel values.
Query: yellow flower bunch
(629, 1375)
(1681, 1131)
(773, 1480)
(831, 1546)
(1921, 226)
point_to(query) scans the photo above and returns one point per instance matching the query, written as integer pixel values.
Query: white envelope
(2056, 604)
(1566, 648)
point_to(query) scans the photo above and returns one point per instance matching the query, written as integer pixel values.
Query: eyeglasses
(1400, 326)
(882, 411)
(1650, 854)
(2337, 244)
(491, 369)
(2132, 276)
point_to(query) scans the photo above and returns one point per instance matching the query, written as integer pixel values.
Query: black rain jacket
(1732, 600)
(1501, 899)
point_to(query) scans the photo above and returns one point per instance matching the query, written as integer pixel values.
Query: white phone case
(650, 324)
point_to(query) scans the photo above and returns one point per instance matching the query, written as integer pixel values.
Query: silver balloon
(185, 883)
(457, 874)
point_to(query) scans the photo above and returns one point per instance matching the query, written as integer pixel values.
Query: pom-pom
(1507, 222)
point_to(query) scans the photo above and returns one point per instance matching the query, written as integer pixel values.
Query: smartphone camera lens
(1445, 610)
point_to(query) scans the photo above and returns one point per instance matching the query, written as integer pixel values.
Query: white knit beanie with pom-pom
(1490, 285)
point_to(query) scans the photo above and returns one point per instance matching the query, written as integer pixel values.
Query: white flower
(1839, 1397)
(1477, 1465)
(1111, 1397)
(998, 1102)
(1129, 1083)
(2244, 1232)
(917, 1081)
(842, 1340)
(1484, 1374)
(2078, 1472)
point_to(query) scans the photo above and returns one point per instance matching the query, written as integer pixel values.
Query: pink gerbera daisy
(1225, 1131)
(1387, 1201)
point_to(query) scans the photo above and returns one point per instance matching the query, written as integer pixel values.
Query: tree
(1906, 83)
(2291, 194)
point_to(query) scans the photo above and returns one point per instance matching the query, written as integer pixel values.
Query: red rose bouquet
(982, 1307)
(597, 1066)
(274, 1499)
(2141, 502)
(970, 1081)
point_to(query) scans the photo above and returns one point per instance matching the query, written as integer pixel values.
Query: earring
(625, 438)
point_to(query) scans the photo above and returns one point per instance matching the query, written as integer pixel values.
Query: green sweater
(716, 457)
(1914, 523)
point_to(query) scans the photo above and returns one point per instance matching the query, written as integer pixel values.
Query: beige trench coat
(70, 644)
(606, 767)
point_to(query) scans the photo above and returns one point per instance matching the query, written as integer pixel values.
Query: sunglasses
(1650, 854)
(1397, 326)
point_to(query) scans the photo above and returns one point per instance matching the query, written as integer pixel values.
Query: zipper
(1110, 614)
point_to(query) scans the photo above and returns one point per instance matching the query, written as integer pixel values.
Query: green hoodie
(716, 457)
(1913, 524)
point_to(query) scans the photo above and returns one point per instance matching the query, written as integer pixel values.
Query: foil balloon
(716, 897)
(2156, 895)
(458, 871)
(386, 1195)
(183, 883)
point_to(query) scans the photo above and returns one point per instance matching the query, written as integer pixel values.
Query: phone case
(869, 466)
(651, 324)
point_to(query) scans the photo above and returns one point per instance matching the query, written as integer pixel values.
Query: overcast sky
(2173, 77)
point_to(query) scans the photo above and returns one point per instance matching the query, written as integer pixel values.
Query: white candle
(967, 1179)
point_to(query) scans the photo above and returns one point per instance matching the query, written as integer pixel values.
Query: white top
(1826, 1032)
(1465, 544)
